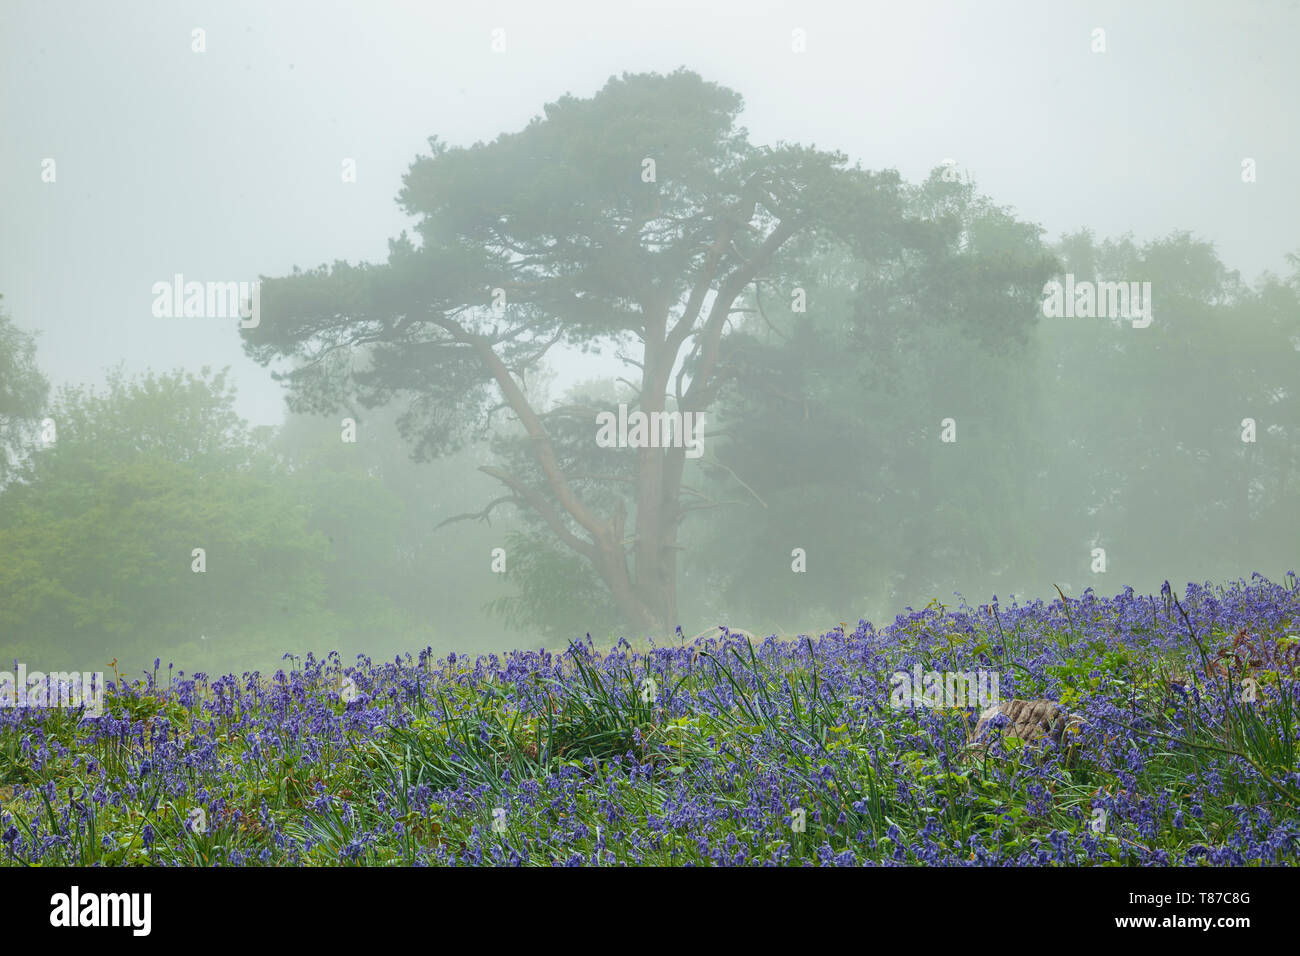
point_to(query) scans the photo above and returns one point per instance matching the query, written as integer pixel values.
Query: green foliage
(23, 390)
(555, 592)
(96, 550)
(1088, 433)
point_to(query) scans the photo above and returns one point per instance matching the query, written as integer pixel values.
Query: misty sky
(226, 164)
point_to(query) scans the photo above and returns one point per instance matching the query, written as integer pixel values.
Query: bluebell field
(726, 751)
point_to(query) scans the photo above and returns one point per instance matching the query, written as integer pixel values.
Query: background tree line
(825, 319)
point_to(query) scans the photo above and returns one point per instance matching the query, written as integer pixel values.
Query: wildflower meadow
(725, 750)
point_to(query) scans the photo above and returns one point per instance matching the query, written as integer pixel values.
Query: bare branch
(741, 481)
(483, 515)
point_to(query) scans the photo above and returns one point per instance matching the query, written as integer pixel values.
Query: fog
(887, 417)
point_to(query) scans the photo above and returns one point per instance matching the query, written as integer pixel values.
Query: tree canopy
(641, 220)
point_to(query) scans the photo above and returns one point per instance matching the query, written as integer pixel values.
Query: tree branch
(543, 509)
(479, 515)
